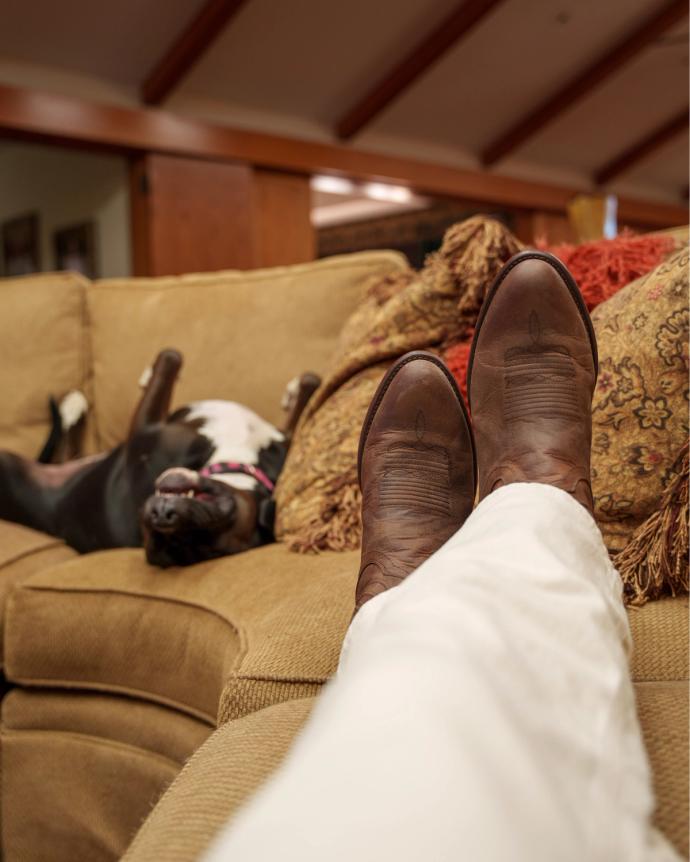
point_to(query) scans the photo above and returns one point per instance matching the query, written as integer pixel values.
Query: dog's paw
(72, 407)
(145, 378)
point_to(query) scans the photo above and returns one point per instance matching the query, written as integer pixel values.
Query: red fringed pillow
(600, 269)
(603, 267)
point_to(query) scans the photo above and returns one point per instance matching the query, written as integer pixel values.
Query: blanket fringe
(654, 563)
(338, 525)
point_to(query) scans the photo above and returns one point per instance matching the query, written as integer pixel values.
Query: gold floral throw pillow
(640, 409)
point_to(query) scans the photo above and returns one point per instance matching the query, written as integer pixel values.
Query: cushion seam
(136, 595)
(23, 554)
(98, 742)
(297, 680)
(109, 688)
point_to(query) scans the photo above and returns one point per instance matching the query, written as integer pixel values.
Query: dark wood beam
(189, 46)
(34, 115)
(634, 154)
(586, 81)
(456, 25)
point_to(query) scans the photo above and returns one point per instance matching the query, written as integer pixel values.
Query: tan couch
(118, 673)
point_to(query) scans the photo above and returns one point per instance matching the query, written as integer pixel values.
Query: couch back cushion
(44, 348)
(243, 335)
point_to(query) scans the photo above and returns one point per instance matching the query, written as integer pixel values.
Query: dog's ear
(266, 517)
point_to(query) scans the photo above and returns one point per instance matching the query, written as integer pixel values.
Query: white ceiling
(295, 66)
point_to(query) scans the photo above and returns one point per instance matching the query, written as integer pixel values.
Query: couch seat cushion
(260, 627)
(24, 552)
(43, 337)
(81, 770)
(244, 335)
(90, 806)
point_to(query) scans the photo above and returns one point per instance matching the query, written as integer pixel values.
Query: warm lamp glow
(332, 185)
(385, 192)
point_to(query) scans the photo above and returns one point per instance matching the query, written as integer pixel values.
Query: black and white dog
(189, 486)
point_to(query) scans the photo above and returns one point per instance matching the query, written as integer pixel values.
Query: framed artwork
(75, 248)
(21, 245)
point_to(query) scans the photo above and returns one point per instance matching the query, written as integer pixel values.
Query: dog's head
(191, 518)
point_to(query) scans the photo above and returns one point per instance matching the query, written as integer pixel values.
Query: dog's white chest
(237, 434)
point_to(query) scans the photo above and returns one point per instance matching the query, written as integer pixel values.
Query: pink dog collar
(237, 467)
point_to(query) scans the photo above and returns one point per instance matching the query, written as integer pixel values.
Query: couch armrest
(223, 773)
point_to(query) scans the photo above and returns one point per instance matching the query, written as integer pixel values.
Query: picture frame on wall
(21, 245)
(75, 248)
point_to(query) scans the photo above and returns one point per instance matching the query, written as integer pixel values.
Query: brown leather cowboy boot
(416, 471)
(530, 379)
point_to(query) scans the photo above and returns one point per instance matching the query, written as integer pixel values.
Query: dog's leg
(64, 442)
(297, 395)
(154, 403)
(21, 497)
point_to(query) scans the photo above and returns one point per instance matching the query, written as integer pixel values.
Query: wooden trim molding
(35, 115)
(188, 48)
(639, 151)
(585, 82)
(449, 32)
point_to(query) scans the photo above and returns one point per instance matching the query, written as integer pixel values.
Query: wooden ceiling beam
(639, 151)
(34, 115)
(451, 30)
(188, 48)
(586, 81)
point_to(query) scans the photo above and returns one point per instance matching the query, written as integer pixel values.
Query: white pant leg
(482, 711)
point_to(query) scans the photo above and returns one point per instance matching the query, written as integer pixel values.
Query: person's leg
(483, 708)
(482, 711)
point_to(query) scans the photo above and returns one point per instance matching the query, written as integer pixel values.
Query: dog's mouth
(180, 482)
(184, 500)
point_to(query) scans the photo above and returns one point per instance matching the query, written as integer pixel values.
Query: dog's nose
(163, 512)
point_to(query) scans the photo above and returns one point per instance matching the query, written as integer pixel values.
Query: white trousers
(483, 711)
